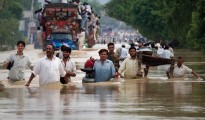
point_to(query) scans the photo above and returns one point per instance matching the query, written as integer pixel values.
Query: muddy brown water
(154, 97)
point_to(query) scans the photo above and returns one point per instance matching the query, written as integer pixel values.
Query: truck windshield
(60, 36)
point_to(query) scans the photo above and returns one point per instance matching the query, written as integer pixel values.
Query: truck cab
(59, 24)
(58, 39)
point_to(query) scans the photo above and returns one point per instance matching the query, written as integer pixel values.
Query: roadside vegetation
(11, 13)
(164, 20)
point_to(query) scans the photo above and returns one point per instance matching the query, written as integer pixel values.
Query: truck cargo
(59, 25)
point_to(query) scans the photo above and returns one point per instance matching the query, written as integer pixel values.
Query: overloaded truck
(59, 25)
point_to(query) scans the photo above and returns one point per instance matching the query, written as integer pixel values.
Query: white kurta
(81, 40)
(49, 71)
(180, 72)
(69, 67)
(130, 68)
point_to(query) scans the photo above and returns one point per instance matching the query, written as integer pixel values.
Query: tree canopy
(182, 21)
(10, 14)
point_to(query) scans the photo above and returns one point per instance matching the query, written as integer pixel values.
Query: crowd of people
(89, 20)
(112, 64)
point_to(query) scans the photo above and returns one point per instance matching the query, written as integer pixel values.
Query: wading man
(104, 68)
(20, 63)
(180, 70)
(49, 68)
(131, 66)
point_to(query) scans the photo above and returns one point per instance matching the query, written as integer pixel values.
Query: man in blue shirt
(104, 68)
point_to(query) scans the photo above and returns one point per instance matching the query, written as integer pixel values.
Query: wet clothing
(130, 67)
(103, 72)
(20, 64)
(115, 60)
(159, 52)
(171, 50)
(180, 71)
(81, 39)
(118, 52)
(49, 71)
(167, 54)
(123, 55)
(154, 51)
(69, 67)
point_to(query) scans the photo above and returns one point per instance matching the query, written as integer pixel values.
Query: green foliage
(10, 34)
(196, 35)
(27, 4)
(10, 15)
(164, 19)
(11, 10)
(17, 10)
(140, 14)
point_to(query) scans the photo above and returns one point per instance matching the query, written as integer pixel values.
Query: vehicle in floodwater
(59, 24)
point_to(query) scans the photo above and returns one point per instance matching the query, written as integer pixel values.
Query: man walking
(49, 68)
(68, 65)
(131, 66)
(20, 63)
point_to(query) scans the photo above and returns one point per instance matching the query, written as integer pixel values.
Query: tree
(10, 15)
(196, 34)
(142, 15)
(163, 19)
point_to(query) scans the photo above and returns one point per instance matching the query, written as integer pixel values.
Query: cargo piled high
(59, 25)
(73, 24)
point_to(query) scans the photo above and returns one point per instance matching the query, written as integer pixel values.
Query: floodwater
(154, 97)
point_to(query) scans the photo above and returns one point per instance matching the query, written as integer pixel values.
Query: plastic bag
(10, 65)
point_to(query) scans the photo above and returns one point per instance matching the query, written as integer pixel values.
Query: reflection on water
(131, 99)
(154, 97)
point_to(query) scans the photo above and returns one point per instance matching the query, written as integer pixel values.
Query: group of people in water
(111, 64)
(49, 68)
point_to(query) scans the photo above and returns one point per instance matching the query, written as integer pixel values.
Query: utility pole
(31, 25)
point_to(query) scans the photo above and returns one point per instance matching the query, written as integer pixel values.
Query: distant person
(104, 41)
(112, 56)
(104, 68)
(131, 66)
(60, 54)
(122, 54)
(166, 53)
(81, 38)
(20, 63)
(154, 49)
(170, 48)
(49, 68)
(146, 50)
(180, 70)
(68, 65)
(139, 46)
(159, 49)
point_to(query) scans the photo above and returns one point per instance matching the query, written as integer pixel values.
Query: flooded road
(154, 97)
